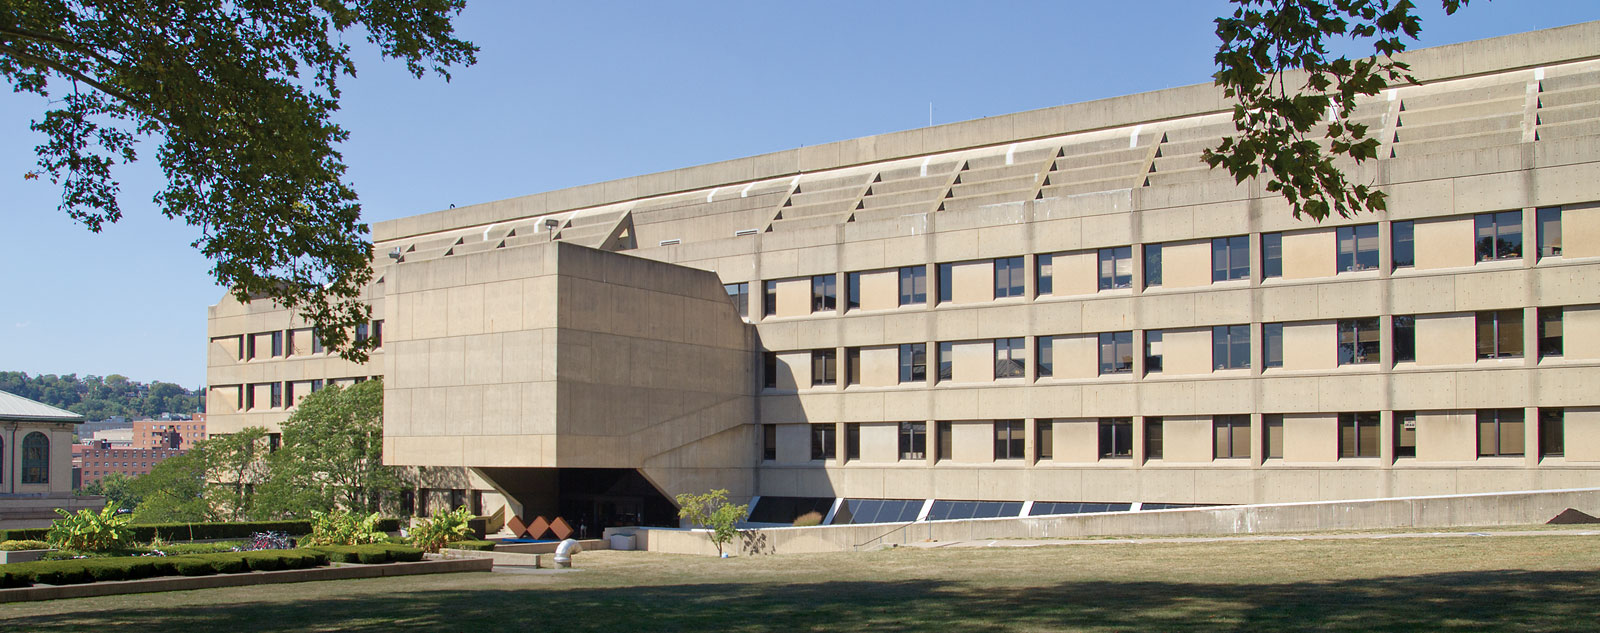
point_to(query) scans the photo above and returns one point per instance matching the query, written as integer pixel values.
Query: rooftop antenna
(930, 114)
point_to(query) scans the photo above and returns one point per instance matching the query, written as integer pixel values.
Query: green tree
(173, 491)
(241, 95)
(118, 490)
(332, 454)
(712, 510)
(1274, 62)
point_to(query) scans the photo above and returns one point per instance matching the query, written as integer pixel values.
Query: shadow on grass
(1479, 601)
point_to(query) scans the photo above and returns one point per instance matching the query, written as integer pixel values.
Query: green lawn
(1528, 583)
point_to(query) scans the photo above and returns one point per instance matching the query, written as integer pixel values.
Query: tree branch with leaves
(241, 96)
(1292, 97)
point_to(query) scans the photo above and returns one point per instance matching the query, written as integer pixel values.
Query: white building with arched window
(36, 463)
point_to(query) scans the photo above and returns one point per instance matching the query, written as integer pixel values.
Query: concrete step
(972, 202)
(821, 208)
(1093, 186)
(897, 211)
(813, 196)
(1177, 162)
(1457, 144)
(795, 224)
(1121, 154)
(1568, 114)
(1014, 183)
(824, 183)
(731, 204)
(1573, 96)
(1002, 172)
(1018, 157)
(936, 167)
(607, 218)
(1200, 132)
(1075, 148)
(1463, 96)
(909, 184)
(877, 201)
(1483, 125)
(1195, 174)
(1097, 172)
(1450, 114)
(1571, 81)
(1190, 148)
(1575, 129)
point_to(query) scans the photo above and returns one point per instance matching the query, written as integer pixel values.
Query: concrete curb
(184, 583)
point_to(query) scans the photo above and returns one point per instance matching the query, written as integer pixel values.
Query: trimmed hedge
(84, 570)
(477, 546)
(373, 554)
(197, 531)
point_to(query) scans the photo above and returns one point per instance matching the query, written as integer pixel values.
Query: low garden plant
(341, 527)
(20, 546)
(89, 531)
(445, 526)
(86, 570)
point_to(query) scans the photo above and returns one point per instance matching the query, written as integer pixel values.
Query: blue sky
(571, 93)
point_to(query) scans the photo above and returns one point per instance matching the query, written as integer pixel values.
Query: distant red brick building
(94, 461)
(169, 433)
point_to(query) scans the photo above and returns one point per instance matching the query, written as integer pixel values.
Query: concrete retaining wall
(1512, 508)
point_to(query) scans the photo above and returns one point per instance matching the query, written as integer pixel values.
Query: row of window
(35, 459)
(1498, 333)
(1500, 433)
(281, 395)
(281, 343)
(1498, 236)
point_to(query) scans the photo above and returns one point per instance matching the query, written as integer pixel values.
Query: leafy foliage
(90, 531)
(214, 481)
(117, 488)
(18, 546)
(242, 96)
(341, 527)
(712, 510)
(98, 398)
(432, 533)
(1275, 63)
(332, 455)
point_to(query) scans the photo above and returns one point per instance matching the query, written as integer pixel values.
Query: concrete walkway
(1251, 538)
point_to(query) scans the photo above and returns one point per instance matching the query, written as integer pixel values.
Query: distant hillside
(98, 398)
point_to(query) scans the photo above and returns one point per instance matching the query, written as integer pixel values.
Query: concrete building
(36, 463)
(1053, 311)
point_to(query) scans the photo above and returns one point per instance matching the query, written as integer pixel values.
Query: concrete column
(1258, 434)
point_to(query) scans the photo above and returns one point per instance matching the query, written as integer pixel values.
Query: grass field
(1523, 583)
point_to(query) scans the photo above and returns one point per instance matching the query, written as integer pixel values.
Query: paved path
(1250, 538)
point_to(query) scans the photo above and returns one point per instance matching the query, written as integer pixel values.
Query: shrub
(17, 546)
(24, 534)
(229, 563)
(209, 531)
(712, 510)
(477, 546)
(341, 527)
(58, 572)
(191, 566)
(808, 519)
(92, 532)
(431, 534)
(11, 579)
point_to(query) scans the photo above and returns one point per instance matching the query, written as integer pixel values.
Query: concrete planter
(23, 556)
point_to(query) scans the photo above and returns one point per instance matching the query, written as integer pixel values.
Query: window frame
(1155, 438)
(1403, 338)
(912, 434)
(1550, 346)
(852, 441)
(1152, 262)
(824, 442)
(1271, 256)
(1546, 218)
(824, 293)
(1120, 346)
(1115, 437)
(35, 458)
(739, 294)
(1108, 264)
(1044, 446)
(1349, 240)
(1350, 343)
(913, 276)
(1232, 250)
(852, 290)
(1552, 430)
(909, 364)
(1016, 282)
(1495, 339)
(1354, 444)
(827, 361)
(1044, 274)
(1402, 244)
(1233, 423)
(1012, 445)
(1401, 449)
(1013, 350)
(1224, 337)
(1499, 225)
(1498, 419)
